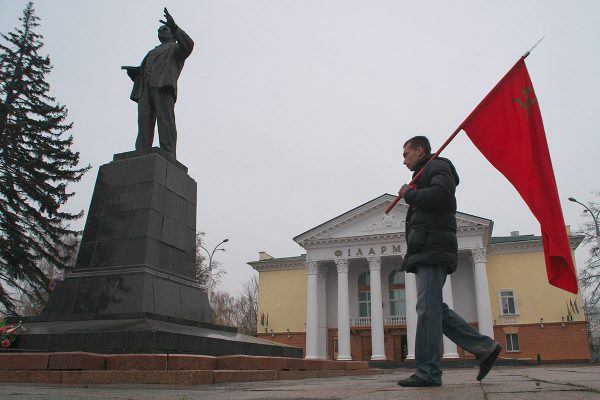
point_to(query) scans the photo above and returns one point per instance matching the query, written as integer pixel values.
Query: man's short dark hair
(419, 141)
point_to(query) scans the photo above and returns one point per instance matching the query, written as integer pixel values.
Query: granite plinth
(153, 150)
(137, 251)
(133, 288)
(143, 334)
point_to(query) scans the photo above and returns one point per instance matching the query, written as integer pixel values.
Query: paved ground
(504, 383)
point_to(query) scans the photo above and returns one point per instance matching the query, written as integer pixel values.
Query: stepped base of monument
(141, 333)
(91, 368)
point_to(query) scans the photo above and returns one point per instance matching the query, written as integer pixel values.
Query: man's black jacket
(431, 218)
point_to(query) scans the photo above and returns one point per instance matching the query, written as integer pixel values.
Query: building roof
(301, 257)
(298, 237)
(510, 239)
(575, 239)
(369, 217)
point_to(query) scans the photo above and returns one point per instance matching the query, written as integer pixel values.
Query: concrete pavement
(561, 382)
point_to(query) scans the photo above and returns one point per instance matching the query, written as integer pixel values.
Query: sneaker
(415, 381)
(486, 365)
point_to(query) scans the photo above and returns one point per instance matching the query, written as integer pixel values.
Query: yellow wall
(282, 294)
(535, 297)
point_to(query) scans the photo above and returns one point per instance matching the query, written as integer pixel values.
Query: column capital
(479, 254)
(374, 263)
(342, 265)
(312, 266)
(322, 272)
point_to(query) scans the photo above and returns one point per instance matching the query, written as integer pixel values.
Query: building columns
(377, 340)
(312, 310)
(322, 309)
(482, 292)
(410, 289)
(343, 317)
(450, 349)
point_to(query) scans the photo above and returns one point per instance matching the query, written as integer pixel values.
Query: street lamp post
(210, 257)
(594, 217)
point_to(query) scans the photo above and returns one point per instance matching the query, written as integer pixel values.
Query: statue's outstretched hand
(132, 72)
(170, 22)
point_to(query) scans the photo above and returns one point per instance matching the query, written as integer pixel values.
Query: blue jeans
(434, 318)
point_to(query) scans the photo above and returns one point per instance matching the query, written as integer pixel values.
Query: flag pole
(414, 179)
(456, 132)
(533, 47)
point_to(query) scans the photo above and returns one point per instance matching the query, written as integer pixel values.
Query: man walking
(433, 254)
(155, 86)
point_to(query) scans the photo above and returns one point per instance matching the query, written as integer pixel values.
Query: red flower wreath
(9, 333)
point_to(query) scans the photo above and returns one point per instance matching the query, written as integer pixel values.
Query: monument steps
(177, 369)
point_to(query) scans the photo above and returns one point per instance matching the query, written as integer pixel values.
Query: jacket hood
(425, 159)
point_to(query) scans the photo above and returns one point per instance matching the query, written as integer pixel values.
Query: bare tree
(589, 277)
(592, 316)
(202, 267)
(247, 307)
(223, 306)
(240, 311)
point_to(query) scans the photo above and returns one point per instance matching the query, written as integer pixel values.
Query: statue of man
(155, 86)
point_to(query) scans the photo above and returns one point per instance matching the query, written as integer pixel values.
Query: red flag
(507, 128)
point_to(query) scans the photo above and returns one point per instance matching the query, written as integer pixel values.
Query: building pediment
(369, 219)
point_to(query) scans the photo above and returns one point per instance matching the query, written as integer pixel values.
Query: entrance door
(335, 348)
(400, 347)
(365, 345)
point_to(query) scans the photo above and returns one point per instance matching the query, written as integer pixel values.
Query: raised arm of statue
(184, 42)
(170, 22)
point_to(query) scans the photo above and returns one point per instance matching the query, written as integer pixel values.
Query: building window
(512, 342)
(507, 302)
(364, 295)
(397, 294)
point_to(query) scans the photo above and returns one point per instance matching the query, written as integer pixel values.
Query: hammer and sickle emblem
(528, 98)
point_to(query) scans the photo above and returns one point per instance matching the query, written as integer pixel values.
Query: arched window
(364, 295)
(397, 294)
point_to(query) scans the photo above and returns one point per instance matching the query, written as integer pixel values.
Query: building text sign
(356, 251)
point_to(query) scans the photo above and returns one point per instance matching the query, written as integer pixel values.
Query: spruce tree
(36, 164)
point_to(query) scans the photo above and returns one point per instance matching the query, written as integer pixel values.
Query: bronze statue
(155, 86)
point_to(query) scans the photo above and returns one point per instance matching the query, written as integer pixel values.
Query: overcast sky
(291, 113)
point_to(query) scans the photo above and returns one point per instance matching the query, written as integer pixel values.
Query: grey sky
(293, 112)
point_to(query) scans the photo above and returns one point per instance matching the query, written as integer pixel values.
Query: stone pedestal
(133, 288)
(138, 245)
